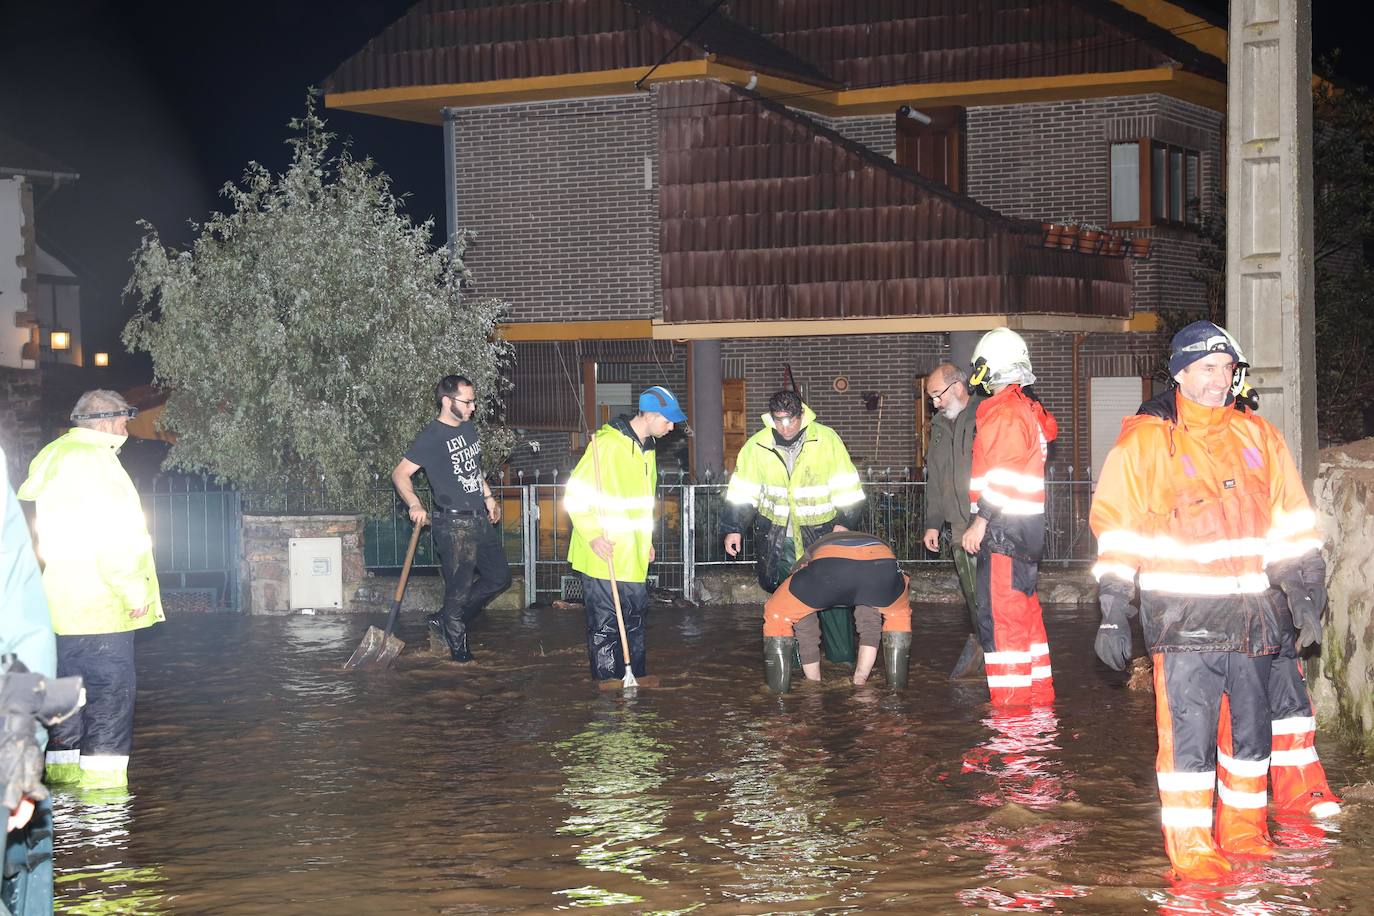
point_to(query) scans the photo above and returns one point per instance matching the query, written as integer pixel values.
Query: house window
(1154, 183)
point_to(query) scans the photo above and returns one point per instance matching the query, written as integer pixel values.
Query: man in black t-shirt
(465, 512)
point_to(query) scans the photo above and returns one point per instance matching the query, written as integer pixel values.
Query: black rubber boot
(456, 634)
(777, 662)
(896, 652)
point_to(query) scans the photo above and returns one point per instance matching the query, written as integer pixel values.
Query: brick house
(836, 192)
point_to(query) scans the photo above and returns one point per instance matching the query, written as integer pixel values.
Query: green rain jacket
(800, 507)
(92, 537)
(621, 508)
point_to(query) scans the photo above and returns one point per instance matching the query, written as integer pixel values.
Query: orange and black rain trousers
(844, 568)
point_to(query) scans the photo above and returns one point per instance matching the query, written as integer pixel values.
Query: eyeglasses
(941, 393)
(462, 400)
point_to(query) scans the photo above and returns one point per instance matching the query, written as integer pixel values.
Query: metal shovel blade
(376, 651)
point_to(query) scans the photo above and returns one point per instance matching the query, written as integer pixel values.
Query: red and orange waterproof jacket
(1205, 508)
(1007, 480)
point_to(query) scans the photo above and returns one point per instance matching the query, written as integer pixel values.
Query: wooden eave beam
(922, 324)
(425, 104)
(530, 331)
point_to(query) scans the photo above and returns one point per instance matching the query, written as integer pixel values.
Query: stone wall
(264, 574)
(21, 432)
(1343, 683)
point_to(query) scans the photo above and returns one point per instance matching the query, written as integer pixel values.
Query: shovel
(378, 649)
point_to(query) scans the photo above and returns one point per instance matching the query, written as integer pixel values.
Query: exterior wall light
(60, 340)
(102, 359)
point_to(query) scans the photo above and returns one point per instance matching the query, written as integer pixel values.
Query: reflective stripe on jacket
(92, 536)
(621, 508)
(1007, 478)
(1205, 509)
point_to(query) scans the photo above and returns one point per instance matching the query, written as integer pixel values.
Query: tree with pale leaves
(301, 333)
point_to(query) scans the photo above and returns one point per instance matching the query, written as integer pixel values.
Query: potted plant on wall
(1113, 245)
(1089, 238)
(1140, 247)
(1068, 234)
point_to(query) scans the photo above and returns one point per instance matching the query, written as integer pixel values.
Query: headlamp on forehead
(129, 412)
(1217, 344)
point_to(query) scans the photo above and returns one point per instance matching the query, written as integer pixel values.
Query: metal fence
(195, 527)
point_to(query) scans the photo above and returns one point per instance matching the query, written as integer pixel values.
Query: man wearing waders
(1204, 511)
(101, 584)
(845, 568)
(1007, 533)
(610, 501)
(948, 460)
(465, 512)
(1297, 779)
(794, 482)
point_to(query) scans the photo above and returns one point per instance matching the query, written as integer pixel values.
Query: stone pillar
(264, 572)
(961, 344)
(450, 173)
(708, 408)
(1269, 212)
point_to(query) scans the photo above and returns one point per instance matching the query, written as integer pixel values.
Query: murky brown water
(267, 780)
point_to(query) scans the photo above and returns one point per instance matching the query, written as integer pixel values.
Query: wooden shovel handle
(405, 570)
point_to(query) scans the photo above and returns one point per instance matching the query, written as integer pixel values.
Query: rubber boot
(62, 767)
(896, 653)
(458, 642)
(777, 662)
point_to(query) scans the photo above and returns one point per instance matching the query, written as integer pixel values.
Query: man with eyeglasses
(948, 460)
(794, 482)
(465, 512)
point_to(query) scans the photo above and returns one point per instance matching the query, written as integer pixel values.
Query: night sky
(158, 104)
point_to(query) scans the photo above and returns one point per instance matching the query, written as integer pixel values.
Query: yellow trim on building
(527, 331)
(425, 103)
(923, 324)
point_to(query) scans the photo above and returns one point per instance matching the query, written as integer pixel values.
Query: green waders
(970, 662)
(838, 638)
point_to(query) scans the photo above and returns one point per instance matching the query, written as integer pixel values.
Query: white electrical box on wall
(316, 567)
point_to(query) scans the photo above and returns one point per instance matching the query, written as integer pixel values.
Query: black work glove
(21, 763)
(1306, 602)
(1113, 643)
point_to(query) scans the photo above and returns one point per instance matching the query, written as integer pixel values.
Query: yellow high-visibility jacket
(621, 508)
(92, 536)
(822, 489)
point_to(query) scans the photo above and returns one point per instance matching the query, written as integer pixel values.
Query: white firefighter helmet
(1001, 358)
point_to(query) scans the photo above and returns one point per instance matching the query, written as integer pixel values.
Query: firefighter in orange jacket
(1297, 779)
(1205, 510)
(1007, 498)
(842, 569)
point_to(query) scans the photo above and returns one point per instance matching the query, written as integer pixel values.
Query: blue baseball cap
(1199, 339)
(660, 400)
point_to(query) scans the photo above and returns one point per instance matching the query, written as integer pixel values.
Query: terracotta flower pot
(1051, 234)
(1089, 240)
(1068, 239)
(1140, 248)
(1113, 246)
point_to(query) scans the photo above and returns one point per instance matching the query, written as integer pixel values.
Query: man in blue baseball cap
(610, 500)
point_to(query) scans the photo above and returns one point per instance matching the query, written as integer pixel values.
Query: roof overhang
(643, 329)
(425, 104)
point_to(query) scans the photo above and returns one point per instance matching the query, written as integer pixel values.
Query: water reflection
(105, 882)
(784, 844)
(613, 773)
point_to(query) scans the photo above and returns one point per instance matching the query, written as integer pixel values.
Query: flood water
(267, 780)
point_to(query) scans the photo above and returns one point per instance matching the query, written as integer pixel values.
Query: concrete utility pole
(1269, 212)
